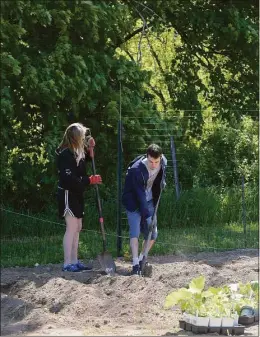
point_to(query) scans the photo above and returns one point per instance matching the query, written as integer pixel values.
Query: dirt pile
(46, 301)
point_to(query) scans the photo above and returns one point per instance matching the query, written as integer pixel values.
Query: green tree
(219, 38)
(58, 66)
(228, 153)
(203, 56)
(183, 64)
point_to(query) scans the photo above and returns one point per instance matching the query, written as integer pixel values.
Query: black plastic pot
(213, 329)
(246, 310)
(246, 315)
(256, 312)
(239, 330)
(226, 331)
(188, 326)
(199, 329)
(182, 324)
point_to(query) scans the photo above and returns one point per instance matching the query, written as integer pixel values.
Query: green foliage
(211, 206)
(59, 66)
(227, 153)
(190, 68)
(214, 302)
(202, 219)
(202, 57)
(214, 40)
(25, 234)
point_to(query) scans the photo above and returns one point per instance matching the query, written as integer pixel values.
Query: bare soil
(44, 301)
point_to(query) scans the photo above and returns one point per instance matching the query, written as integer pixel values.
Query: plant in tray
(190, 300)
(246, 295)
(215, 321)
(220, 306)
(215, 308)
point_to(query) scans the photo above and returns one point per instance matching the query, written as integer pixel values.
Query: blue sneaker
(81, 266)
(71, 267)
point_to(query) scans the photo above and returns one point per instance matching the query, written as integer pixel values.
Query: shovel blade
(107, 263)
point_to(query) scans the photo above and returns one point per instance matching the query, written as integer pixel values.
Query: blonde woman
(77, 145)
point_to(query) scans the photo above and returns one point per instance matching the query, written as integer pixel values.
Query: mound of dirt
(48, 302)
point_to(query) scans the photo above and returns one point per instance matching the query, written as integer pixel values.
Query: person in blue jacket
(144, 181)
(76, 147)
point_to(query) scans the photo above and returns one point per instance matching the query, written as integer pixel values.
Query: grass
(27, 251)
(202, 219)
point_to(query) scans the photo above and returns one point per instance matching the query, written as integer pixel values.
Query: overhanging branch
(129, 36)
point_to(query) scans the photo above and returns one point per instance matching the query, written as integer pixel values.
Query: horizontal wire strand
(111, 234)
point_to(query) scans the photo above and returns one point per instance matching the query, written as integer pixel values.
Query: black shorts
(71, 203)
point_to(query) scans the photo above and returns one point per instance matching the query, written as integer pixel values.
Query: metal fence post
(119, 182)
(244, 210)
(175, 169)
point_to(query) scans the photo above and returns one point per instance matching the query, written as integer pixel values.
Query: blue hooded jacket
(134, 197)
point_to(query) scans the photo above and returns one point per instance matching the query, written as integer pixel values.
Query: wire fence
(237, 229)
(195, 219)
(176, 240)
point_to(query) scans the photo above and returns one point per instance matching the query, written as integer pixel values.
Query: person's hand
(149, 222)
(90, 145)
(96, 179)
(91, 142)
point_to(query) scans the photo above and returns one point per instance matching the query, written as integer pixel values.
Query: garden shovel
(145, 272)
(105, 258)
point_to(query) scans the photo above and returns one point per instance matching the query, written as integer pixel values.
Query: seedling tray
(182, 324)
(213, 329)
(227, 331)
(239, 330)
(233, 330)
(188, 326)
(199, 329)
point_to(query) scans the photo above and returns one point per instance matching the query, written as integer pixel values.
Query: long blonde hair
(74, 139)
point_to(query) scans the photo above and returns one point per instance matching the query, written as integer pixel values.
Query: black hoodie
(72, 177)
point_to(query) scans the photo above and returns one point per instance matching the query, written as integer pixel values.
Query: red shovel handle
(101, 220)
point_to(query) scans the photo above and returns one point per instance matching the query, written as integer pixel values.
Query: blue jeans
(137, 224)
